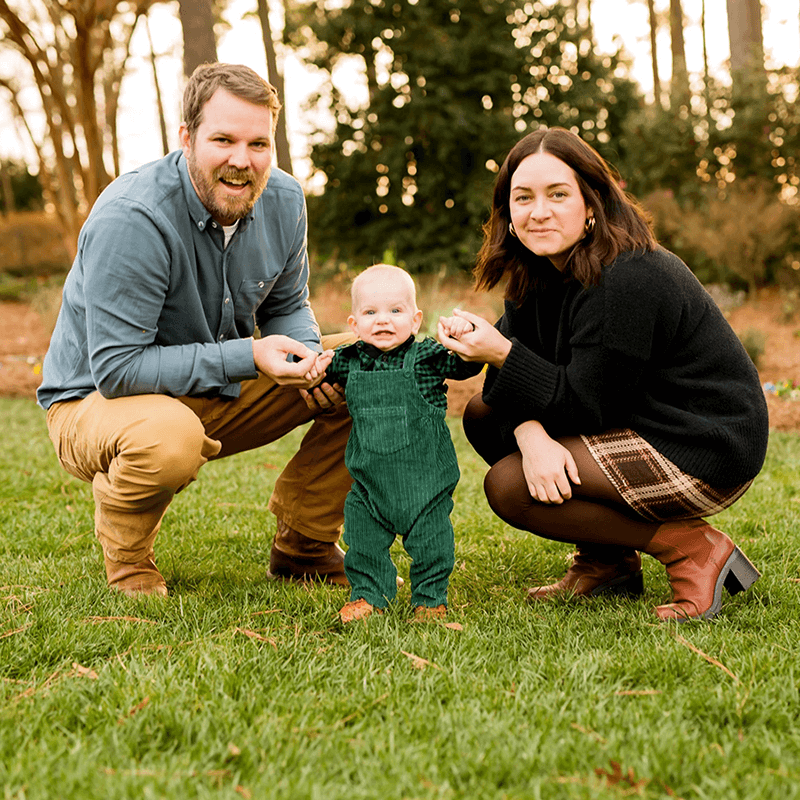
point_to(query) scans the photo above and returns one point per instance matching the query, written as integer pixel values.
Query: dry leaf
(243, 792)
(454, 626)
(98, 620)
(418, 662)
(258, 636)
(589, 732)
(135, 710)
(616, 776)
(84, 672)
(6, 634)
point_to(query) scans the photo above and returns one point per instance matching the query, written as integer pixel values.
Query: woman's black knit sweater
(645, 349)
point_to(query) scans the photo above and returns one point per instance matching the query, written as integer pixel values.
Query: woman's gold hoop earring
(511, 230)
(589, 226)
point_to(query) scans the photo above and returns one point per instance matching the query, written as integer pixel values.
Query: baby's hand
(321, 363)
(455, 327)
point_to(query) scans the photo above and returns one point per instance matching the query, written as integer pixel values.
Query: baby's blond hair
(388, 270)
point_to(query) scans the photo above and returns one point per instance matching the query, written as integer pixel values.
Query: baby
(400, 454)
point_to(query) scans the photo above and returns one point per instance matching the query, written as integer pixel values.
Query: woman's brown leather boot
(591, 574)
(700, 560)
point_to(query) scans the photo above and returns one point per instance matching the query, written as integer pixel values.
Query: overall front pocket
(382, 430)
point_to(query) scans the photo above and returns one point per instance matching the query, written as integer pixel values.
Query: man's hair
(621, 224)
(237, 79)
(387, 269)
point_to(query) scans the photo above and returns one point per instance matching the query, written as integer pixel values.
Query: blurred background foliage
(425, 98)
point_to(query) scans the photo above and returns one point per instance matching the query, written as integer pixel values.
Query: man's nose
(239, 157)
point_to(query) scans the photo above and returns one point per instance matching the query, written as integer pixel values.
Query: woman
(619, 407)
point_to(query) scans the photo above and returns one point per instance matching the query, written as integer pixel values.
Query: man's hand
(270, 354)
(323, 396)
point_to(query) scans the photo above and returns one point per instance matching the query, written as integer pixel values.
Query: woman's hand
(484, 344)
(548, 466)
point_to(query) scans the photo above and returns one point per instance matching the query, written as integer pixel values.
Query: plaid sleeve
(445, 364)
(339, 368)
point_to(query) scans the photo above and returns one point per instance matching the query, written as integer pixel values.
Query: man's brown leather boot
(296, 557)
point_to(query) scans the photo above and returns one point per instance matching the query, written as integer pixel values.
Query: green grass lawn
(239, 687)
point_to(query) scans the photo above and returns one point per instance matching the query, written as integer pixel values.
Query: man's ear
(185, 139)
(416, 321)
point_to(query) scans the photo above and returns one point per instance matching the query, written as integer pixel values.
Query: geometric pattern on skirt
(651, 484)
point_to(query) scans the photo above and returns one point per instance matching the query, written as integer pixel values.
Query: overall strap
(410, 358)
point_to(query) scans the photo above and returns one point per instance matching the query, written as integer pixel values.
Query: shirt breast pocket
(251, 294)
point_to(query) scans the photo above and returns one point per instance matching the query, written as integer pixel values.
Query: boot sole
(632, 585)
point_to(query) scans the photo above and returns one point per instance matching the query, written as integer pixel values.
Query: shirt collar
(376, 352)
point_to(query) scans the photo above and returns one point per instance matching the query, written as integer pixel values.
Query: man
(153, 368)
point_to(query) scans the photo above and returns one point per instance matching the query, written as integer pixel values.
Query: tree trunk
(199, 44)
(747, 45)
(651, 10)
(679, 91)
(706, 74)
(276, 79)
(159, 102)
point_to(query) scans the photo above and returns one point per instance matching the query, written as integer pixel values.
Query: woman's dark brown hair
(621, 224)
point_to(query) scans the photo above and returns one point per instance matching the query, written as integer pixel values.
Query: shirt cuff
(237, 358)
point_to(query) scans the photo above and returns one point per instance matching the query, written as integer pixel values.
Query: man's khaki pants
(139, 451)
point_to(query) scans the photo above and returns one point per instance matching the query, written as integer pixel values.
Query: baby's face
(384, 313)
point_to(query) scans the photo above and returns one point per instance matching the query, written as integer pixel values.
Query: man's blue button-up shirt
(154, 303)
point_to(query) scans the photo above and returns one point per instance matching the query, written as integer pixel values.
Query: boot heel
(741, 573)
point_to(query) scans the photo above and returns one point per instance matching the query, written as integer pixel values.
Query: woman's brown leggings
(596, 517)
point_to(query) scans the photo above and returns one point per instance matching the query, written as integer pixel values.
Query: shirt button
(261, 284)
(222, 337)
(227, 300)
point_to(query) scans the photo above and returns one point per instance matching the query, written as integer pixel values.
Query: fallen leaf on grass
(617, 777)
(233, 751)
(6, 634)
(708, 658)
(135, 710)
(258, 636)
(268, 611)
(418, 662)
(454, 626)
(98, 620)
(589, 732)
(243, 792)
(84, 672)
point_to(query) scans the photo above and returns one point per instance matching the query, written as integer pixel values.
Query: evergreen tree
(451, 86)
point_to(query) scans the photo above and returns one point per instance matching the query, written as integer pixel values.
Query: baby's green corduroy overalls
(404, 469)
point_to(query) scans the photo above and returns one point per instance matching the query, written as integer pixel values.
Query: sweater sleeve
(595, 387)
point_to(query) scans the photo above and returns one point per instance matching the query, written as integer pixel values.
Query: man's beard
(226, 210)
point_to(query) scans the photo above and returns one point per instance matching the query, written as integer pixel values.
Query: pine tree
(451, 87)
